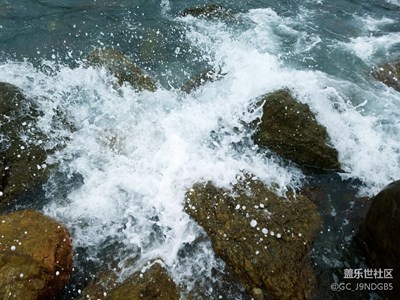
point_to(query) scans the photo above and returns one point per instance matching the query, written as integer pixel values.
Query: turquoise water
(126, 201)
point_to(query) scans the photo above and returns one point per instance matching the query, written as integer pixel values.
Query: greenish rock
(122, 68)
(211, 11)
(22, 157)
(290, 129)
(380, 233)
(35, 256)
(389, 74)
(209, 75)
(264, 239)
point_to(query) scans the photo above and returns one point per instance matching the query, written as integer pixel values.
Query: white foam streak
(367, 47)
(373, 24)
(394, 2)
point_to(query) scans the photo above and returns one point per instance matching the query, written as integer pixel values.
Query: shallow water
(120, 180)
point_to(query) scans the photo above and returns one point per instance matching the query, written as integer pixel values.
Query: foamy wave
(367, 47)
(394, 2)
(138, 153)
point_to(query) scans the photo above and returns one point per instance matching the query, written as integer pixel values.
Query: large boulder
(22, 157)
(264, 239)
(35, 256)
(290, 129)
(152, 282)
(389, 74)
(122, 68)
(381, 230)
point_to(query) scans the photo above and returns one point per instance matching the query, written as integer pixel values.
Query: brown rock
(35, 256)
(380, 233)
(264, 239)
(389, 74)
(290, 129)
(122, 68)
(20, 160)
(210, 11)
(152, 282)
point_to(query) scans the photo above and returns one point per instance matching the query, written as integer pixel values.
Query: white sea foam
(374, 24)
(366, 47)
(138, 153)
(394, 2)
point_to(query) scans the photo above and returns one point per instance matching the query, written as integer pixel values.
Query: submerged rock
(122, 68)
(209, 75)
(35, 256)
(211, 11)
(389, 74)
(152, 282)
(264, 239)
(381, 230)
(22, 156)
(290, 129)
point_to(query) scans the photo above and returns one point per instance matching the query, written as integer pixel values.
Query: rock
(35, 256)
(264, 239)
(209, 75)
(389, 74)
(122, 68)
(290, 129)
(381, 230)
(152, 283)
(21, 155)
(211, 11)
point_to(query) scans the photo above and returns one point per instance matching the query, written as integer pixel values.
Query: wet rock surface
(389, 74)
(264, 239)
(290, 129)
(22, 158)
(211, 11)
(151, 282)
(209, 75)
(381, 230)
(35, 256)
(122, 68)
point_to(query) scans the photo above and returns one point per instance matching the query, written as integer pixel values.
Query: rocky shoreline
(266, 240)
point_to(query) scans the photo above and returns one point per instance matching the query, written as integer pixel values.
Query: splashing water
(120, 179)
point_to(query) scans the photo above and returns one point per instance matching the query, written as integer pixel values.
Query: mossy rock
(211, 11)
(389, 74)
(122, 68)
(290, 129)
(264, 239)
(21, 155)
(380, 233)
(35, 256)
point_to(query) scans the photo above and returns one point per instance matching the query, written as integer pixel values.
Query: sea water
(119, 179)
